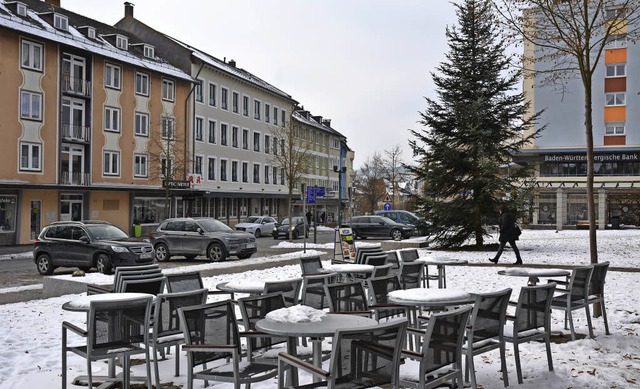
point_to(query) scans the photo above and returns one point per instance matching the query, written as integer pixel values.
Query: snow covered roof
(34, 23)
(305, 118)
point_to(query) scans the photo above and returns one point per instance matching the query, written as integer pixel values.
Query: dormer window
(91, 32)
(149, 51)
(21, 9)
(60, 22)
(122, 42)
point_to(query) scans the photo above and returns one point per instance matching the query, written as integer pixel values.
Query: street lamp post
(340, 171)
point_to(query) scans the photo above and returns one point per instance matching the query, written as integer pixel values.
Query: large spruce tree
(472, 129)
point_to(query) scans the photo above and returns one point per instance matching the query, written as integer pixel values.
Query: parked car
(190, 237)
(379, 227)
(257, 225)
(86, 245)
(283, 228)
(423, 227)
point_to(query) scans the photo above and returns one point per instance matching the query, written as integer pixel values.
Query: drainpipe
(186, 128)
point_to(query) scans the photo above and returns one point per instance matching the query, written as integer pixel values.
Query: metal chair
(440, 357)
(154, 286)
(166, 331)
(261, 346)
(574, 295)
(485, 331)
(290, 290)
(125, 272)
(313, 293)
(531, 321)
(392, 258)
(379, 288)
(347, 297)
(362, 251)
(596, 289)
(381, 271)
(116, 328)
(361, 358)
(310, 265)
(411, 275)
(377, 259)
(189, 281)
(212, 337)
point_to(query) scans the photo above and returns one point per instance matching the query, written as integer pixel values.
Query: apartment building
(560, 198)
(82, 103)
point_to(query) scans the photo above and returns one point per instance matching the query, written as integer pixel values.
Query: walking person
(509, 233)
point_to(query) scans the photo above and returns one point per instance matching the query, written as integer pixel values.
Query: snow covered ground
(31, 331)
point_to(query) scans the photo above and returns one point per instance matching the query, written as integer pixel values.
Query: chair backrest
(119, 287)
(408, 255)
(379, 288)
(254, 308)
(154, 286)
(211, 324)
(380, 271)
(377, 259)
(182, 282)
(384, 341)
(313, 293)
(347, 297)
(361, 251)
(596, 286)
(533, 310)
(310, 265)
(443, 340)
(132, 272)
(118, 323)
(165, 312)
(411, 274)
(290, 289)
(489, 315)
(392, 258)
(579, 282)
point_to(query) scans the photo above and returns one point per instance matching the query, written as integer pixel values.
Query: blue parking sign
(311, 195)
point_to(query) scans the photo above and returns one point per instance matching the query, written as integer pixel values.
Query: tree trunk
(593, 244)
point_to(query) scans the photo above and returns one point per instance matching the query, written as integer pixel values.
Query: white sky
(364, 64)
(31, 335)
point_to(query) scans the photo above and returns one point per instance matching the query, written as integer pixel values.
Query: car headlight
(119, 249)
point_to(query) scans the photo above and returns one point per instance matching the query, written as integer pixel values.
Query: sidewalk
(8, 250)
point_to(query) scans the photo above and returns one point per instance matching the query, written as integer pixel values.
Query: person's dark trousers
(512, 243)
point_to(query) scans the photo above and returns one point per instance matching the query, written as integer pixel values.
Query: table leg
(292, 377)
(316, 344)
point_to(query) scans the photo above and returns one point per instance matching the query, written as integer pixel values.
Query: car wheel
(257, 233)
(190, 257)
(396, 234)
(162, 252)
(103, 264)
(215, 252)
(44, 265)
(244, 256)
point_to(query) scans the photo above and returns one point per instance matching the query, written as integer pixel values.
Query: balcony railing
(67, 178)
(76, 86)
(75, 133)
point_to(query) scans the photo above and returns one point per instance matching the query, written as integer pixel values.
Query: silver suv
(190, 237)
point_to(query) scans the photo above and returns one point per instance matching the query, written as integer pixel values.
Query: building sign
(608, 157)
(173, 184)
(195, 179)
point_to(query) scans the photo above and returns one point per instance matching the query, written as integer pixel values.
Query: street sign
(387, 198)
(311, 195)
(387, 206)
(320, 191)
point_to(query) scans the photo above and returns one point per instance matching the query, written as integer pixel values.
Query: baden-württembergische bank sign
(607, 157)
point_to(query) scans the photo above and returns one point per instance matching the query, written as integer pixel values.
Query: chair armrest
(411, 354)
(300, 364)
(97, 289)
(74, 328)
(510, 317)
(208, 347)
(558, 282)
(357, 313)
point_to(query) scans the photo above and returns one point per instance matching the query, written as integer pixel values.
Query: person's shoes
(518, 262)
(493, 260)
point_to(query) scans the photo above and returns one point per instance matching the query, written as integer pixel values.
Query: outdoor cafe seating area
(385, 318)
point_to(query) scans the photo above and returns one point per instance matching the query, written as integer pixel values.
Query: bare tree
(369, 183)
(291, 156)
(570, 37)
(393, 164)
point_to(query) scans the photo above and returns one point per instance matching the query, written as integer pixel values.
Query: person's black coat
(508, 230)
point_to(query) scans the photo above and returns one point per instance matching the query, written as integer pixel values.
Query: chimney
(232, 63)
(55, 3)
(326, 122)
(128, 9)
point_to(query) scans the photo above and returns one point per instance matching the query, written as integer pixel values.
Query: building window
(212, 131)
(112, 119)
(614, 13)
(122, 42)
(245, 172)
(211, 169)
(275, 115)
(234, 102)
(112, 76)
(149, 51)
(234, 171)
(111, 163)
(267, 169)
(199, 92)
(168, 90)
(267, 143)
(281, 176)
(275, 175)
(256, 109)
(256, 141)
(256, 173)
(142, 84)
(212, 94)
(223, 98)
(616, 41)
(275, 146)
(245, 139)
(140, 165)
(223, 170)
(199, 129)
(197, 166)
(166, 167)
(616, 70)
(60, 22)
(245, 105)
(267, 113)
(234, 136)
(223, 135)
(614, 129)
(31, 55)
(167, 128)
(142, 124)
(283, 115)
(21, 9)
(91, 32)
(614, 99)
(30, 105)
(30, 156)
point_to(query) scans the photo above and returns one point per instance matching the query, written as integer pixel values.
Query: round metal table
(534, 274)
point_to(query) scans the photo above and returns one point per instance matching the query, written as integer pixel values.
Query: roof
(310, 121)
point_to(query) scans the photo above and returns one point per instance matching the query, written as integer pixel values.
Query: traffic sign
(387, 206)
(387, 198)
(311, 195)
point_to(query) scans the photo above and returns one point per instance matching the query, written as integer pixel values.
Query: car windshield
(213, 225)
(285, 221)
(106, 232)
(252, 220)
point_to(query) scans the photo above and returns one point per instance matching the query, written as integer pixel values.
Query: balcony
(76, 86)
(80, 179)
(75, 133)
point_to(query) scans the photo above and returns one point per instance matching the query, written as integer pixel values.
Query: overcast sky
(364, 64)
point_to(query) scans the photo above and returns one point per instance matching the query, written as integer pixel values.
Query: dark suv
(190, 237)
(88, 244)
(379, 227)
(298, 228)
